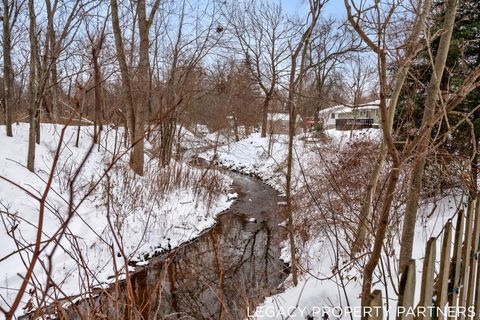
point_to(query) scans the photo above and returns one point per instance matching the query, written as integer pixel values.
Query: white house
(343, 117)
(277, 123)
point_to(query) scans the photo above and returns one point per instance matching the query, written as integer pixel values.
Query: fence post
(426, 291)
(456, 261)
(466, 251)
(406, 292)
(473, 259)
(477, 291)
(442, 285)
(376, 305)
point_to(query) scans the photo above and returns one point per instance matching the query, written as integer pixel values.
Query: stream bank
(222, 274)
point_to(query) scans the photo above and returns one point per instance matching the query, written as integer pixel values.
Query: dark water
(220, 275)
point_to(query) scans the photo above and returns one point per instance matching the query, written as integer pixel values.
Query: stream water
(222, 274)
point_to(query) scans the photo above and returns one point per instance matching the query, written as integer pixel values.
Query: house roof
(373, 105)
(345, 109)
(335, 109)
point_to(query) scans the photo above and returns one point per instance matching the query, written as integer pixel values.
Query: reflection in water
(219, 275)
(224, 274)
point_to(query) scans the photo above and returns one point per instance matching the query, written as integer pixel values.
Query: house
(277, 123)
(343, 117)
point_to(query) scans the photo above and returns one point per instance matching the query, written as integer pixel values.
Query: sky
(332, 8)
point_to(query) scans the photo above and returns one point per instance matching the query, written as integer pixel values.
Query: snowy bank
(112, 216)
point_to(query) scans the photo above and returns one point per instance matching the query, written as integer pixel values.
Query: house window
(333, 115)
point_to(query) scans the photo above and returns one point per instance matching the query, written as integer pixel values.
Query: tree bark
(97, 122)
(53, 60)
(266, 103)
(379, 237)
(433, 90)
(126, 84)
(32, 87)
(137, 159)
(7, 68)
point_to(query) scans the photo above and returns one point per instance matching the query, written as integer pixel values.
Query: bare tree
(33, 87)
(42, 62)
(387, 123)
(10, 13)
(387, 114)
(262, 33)
(298, 61)
(331, 48)
(144, 24)
(183, 52)
(124, 72)
(136, 112)
(96, 45)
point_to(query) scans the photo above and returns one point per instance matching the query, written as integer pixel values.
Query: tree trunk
(294, 86)
(97, 122)
(379, 237)
(235, 127)
(54, 90)
(137, 158)
(53, 56)
(433, 91)
(266, 103)
(32, 88)
(169, 118)
(37, 115)
(288, 187)
(167, 137)
(366, 209)
(126, 84)
(7, 68)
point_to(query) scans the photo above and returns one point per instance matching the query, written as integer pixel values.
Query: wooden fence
(451, 290)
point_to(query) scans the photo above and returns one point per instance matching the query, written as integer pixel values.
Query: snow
(335, 109)
(342, 136)
(320, 290)
(374, 105)
(146, 216)
(280, 117)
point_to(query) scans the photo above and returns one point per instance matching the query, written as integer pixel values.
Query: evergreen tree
(464, 56)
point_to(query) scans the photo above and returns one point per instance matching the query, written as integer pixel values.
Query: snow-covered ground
(320, 287)
(119, 214)
(252, 155)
